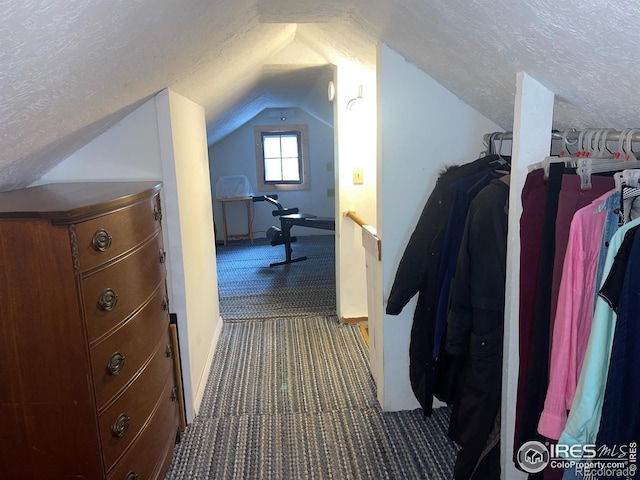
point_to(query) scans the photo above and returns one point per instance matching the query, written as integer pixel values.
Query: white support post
(532, 123)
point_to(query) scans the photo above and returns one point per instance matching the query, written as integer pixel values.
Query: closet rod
(612, 136)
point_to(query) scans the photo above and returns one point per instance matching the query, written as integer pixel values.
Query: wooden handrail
(354, 216)
(370, 240)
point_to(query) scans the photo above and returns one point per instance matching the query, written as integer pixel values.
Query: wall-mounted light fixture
(353, 101)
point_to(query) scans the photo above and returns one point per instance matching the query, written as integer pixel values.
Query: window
(282, 157)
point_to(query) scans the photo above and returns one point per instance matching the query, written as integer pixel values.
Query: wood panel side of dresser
(47, 409)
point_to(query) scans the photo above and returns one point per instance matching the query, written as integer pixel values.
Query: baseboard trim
(364, 329)
(197, 401)
(355, 320)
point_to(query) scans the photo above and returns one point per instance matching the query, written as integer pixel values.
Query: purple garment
(533, 203)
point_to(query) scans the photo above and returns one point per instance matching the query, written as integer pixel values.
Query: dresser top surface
(72, 202)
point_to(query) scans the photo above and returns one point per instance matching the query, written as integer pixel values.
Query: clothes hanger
(565, 143)
(628, 183)
(545, 163)
(499, 151)
(623, 159)
(505, 168)
(487, 142)
(628, 177)
(629, 145)
(591, 143)
(500, 160)
(492, 139)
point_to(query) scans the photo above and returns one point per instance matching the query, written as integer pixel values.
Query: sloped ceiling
(69, 69)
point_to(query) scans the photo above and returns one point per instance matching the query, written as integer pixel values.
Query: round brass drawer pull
(116, 363)
(131, 476)
(108, 299)
(165, 303)
(121, 425)
(101, 241)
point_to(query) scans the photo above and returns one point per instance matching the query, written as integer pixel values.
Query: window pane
(290, 146)
(272, 170)
(271, 146)
(290, 170)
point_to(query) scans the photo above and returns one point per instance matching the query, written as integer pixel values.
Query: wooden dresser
(86, 359)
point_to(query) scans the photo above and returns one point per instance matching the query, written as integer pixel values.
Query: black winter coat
(475, 326)
(418, 273)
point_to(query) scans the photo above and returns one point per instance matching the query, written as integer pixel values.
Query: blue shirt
(610, 205)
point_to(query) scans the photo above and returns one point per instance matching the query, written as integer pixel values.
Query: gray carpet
(291, 397)
(250, 289)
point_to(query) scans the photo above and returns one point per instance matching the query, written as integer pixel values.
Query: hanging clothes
(533, 198)
(572, 198)
(418, 273)
(564, 197)
(535, 363)
(620, 421)
(574, 312)
(464, 192)
(448, 367)
(475, 331)
(586, 409)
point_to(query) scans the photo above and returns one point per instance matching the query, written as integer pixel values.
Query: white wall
(185, 167)
(422, 127)
(356, 148)
(235, 155)
(130, 150)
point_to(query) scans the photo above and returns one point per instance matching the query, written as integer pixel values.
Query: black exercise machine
(289, 217)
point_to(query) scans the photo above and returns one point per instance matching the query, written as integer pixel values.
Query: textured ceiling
(69, 69)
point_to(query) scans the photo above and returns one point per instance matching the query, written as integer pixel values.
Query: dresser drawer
(106, 237)
(121, 288)
(121, 355)
(150, 454)
(121, 423)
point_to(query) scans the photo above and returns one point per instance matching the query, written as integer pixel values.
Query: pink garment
(574, 315)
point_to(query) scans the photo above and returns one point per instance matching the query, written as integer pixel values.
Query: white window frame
(303, 131)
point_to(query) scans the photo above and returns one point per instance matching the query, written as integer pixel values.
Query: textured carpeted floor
(250, 289)
(290, 396)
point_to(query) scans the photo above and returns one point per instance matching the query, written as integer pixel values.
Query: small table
(248, 201)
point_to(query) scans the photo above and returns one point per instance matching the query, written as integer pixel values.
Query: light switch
(358, 176)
